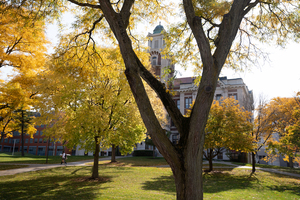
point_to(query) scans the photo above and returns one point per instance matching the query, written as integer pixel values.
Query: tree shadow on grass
(49, 186)
(162, 183)
(213, 182)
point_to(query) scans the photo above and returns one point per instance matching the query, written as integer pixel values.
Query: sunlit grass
(136, 161)
(143, 183)
(32, 159)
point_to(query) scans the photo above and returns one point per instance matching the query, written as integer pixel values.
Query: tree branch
(85, 4)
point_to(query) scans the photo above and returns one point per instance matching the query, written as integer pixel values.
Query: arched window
(154, 60)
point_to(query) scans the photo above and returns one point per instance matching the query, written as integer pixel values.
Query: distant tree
(264, 127)
(23, 122)
(286, 123)
(228, 127)
(16, 100)
(87, 104)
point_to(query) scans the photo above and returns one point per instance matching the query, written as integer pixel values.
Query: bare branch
(85, 4)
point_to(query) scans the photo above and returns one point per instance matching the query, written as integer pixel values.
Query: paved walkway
(36, 167)
(257, 168)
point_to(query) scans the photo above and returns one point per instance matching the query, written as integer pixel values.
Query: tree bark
(210, 160)
(113, 153)
(291, 164)
(48, 142)
(22, 132)
(253, 162)
(185, 158)
(95, 173)
(153, 151)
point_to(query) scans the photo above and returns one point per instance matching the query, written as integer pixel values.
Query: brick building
(38, 145)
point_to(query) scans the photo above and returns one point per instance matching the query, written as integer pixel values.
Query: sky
(280, 77)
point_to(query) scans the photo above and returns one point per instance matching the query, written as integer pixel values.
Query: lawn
(7, 167)
(143, 183)
(135, 161)
(32, 159)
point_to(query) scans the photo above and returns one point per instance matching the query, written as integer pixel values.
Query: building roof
(158, 29)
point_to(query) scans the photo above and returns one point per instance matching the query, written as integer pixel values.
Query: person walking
(63, 158)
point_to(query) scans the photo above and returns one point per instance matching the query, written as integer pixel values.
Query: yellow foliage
(22, 40)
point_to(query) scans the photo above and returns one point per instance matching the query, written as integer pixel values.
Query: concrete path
(257, 168)
(36, 167)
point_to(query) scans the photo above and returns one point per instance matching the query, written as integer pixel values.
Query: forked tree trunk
(95, 173)
(113, 153)
(253, 162)
(184, 158)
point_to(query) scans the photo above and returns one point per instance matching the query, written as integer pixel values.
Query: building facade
(185, 90)
(38, 145)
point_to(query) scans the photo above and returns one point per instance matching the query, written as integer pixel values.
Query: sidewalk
(257, 168)
(36, 167)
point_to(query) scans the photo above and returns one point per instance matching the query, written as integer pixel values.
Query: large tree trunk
(253, 162)
(153, 151)
(95, 173)
(185, 158)
(113, 153)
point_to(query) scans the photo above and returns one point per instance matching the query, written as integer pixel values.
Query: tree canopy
(86, 101)
(286, 122)
(228, 128)
(220, 31)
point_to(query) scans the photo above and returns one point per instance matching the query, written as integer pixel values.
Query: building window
(154, 60)
(32, 150)
(16, 133)
(10, 141)
(41, 133)
(188, 102)
(233, 95)
(45, 140)
(156, 44)
(17, 141)
(31, 140)
(35, 140)
(37, 133)
(5, 140)
(40, 140)
(26, 140)
(218, 97)
(175, 139)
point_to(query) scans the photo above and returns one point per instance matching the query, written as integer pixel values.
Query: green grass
(143, 183)
(32, 159)
(7, 167)
(136, 161)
